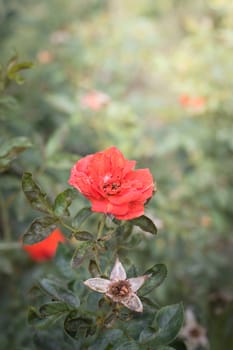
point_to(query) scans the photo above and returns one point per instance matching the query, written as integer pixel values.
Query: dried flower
(119, 288)
(193, 333)
(112, 185)
(46, 249)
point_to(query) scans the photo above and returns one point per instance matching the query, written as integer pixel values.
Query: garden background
(153, 78)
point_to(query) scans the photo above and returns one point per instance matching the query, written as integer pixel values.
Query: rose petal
(141, 180)
(133, 303)
(137, 282)
(104, 206)
(116, 157)
(98, 284)
(126, 196)
(135, 210)
(118, 272)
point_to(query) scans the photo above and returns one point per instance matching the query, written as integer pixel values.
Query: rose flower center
(120, 289)
(111, 188)
(194, 332)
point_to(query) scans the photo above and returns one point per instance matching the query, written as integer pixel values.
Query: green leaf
(152, 305)
(14, 67)
(81, 216)
(14, 146)
(157, 274)
(55, 307)
(167, 323)
(59, 292)
(134, 241)
(108, 339)
(37, 320)
(34, 317)
(81, 252)
(10, 149)
(84, 236)
(129, 345)
(145, 224)
(147, 335)
(62, 202)
(93, 268)
(75, 327)
(34, 194)
(39, 229)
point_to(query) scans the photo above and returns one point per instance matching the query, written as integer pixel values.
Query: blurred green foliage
(147, 56)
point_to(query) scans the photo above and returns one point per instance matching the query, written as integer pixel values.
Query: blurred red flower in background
(112, 185)
(45, 57)
(94, 100)
(46, 249)
(195, 103)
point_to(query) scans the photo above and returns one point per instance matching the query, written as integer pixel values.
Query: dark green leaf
(84, 236)
(59, 292)
(147, 335)
(157, 274)
(34, 194)
(35, 292)
(127, 229)
(80, 253)
(39, 230)
(107, 339)
(150, 303)
(4, 163)
(55, 307)
(134, 240)
(132, 271)
(62, 261)
(167, 324)
(109, 320)
(129, 345)
(178, 344)
(145, 224)
(37, 320)
(10, 149)
(62, 202)
(81, 216)
(93, 268)
(34, 317)
(14, 146)
(78, 326)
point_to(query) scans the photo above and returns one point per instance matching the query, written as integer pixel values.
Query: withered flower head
(193, 333)
(119, 288)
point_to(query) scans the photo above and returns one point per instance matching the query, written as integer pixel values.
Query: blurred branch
(5, 220)
(4, 246)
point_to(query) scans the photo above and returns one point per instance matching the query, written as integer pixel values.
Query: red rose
(46, 249)
(196, 103)
(112, 185)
